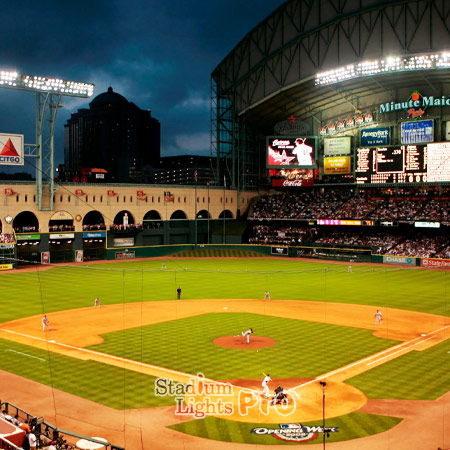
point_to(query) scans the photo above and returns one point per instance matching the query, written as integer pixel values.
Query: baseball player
(265, 386)
(45, 323)
(267, 295)
(378, 317)
(97, 302)
(247, 334)
(349, 269)
(163, 266)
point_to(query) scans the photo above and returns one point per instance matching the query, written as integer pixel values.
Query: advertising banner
(45, 257)
(95, 234)
(62, 235)
(433, 262)
(337, 146)
(11, 149)
(336, 165)
(124, 242)
(6, 266)
(376, 136)
(28, 237)
(406, 260)
(280, 251)
(125, 255)
(420, 131)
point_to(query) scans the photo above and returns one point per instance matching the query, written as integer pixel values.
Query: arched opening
(26, 226)
(203, 214)
(152, 220)
(93, 220)
(94, 236)
(61, 221)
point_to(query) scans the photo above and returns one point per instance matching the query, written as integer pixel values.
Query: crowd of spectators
(403, 205)
(271, 234)
(61, 227)
(96, 227)
(6, 238)
(276, 215)
(26, 229)
(129, 227)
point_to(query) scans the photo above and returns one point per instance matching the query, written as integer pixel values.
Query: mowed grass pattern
(351, 426)
(111, 386)
(303, 349)
(415, 376)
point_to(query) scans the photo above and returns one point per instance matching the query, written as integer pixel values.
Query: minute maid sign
(416, 104)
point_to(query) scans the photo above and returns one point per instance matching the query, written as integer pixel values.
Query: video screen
(291, 152)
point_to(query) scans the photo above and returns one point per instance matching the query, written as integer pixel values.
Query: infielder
(378, 317)
(247, 334)
(45, 323)
(265, 385)
(97, 302)
(267, 295)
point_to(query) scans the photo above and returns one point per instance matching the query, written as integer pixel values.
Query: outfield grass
(69, 287)
(351, 426)
(303, 350)
(312, 348)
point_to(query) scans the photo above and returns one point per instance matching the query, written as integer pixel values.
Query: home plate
(225, 307)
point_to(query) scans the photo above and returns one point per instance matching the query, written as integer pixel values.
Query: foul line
(25, 354)
(129, 361)
(376, 355)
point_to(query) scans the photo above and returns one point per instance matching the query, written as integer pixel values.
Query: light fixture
(388, 65)
(35, 83)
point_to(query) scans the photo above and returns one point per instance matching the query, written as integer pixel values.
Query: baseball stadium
(302, 298)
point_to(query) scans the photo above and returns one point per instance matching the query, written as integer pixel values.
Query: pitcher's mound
(241, 342)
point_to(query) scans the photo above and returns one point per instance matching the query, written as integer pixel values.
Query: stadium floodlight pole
(49, 92)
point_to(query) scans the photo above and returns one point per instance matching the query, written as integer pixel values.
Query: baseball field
(145, 370)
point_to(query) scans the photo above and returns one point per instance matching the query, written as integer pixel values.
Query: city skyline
(158, 55)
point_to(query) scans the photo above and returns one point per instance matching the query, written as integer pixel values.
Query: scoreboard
(403, 163)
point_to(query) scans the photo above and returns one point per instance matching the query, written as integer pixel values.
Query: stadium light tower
(48, 99)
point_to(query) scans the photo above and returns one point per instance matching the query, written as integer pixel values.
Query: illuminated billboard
(403, 164)
(291, 152)
(11, 149)
(337, 165)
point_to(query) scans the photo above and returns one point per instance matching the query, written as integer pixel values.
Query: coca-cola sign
(293, 183)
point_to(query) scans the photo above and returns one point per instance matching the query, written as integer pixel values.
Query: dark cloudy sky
(159, 54)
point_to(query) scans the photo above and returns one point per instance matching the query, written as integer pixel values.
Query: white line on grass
(125, 360)
(376, 355)
(25, 354)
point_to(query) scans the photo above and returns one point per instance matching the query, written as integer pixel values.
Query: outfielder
(378, 317)
(265, 385)
(247, 334)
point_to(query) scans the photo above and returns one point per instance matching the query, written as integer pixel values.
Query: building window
(26, 198)
(68, 198)
(101, 198)
(93, 198)
(124, 199)
(17, 198)
(131, 199)
(87, 198)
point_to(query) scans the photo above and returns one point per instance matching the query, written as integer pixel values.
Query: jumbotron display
(403, 164)
(291, 152)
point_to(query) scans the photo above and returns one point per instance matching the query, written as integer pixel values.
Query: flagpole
(224, 186)
(208, 209)
(195, 223)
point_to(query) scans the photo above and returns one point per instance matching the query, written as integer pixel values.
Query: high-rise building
(113, 134)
